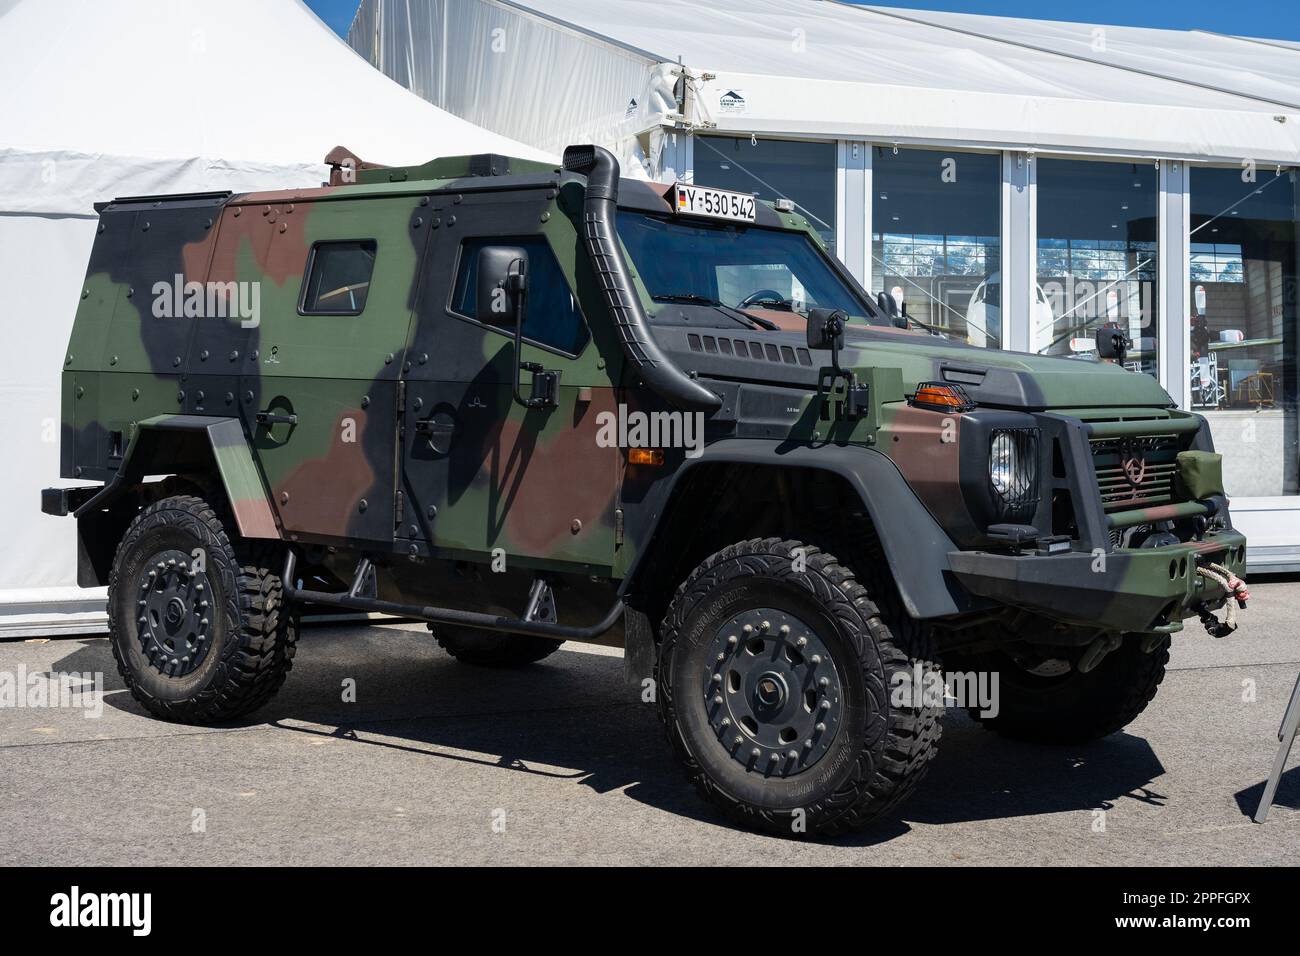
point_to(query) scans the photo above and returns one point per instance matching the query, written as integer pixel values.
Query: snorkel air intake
(599, 208)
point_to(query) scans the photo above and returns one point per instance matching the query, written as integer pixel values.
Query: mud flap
(638, 647)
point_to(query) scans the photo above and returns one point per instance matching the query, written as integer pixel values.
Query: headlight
(1013, 469)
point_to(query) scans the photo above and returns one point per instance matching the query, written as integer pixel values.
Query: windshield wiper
(745, 319)
(690, 297)
(753, 320)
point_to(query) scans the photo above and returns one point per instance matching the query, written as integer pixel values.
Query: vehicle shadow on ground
(571, 717)
(979, 775)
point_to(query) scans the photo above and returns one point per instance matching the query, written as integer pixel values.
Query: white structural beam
(1173, 323)
(675, 161)
(853, 209)
(1019, 248)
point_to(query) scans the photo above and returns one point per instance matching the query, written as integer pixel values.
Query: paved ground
(432, 752)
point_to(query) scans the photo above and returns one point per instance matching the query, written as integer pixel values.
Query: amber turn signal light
(645, 456)
(941, 397)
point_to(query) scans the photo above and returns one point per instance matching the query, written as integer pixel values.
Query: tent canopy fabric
(143, 97)
(862, 72)
(147, 96)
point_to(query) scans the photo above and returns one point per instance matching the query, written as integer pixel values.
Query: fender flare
(235, 466)
(915, 547)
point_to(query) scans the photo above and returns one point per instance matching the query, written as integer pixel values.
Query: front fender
(915, 547)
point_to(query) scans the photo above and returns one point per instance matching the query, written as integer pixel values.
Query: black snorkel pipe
(599, 209)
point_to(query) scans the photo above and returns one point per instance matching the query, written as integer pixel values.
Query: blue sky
(1278, 19)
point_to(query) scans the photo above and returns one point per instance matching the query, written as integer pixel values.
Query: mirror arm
(545, 387)
(521, 310)
(853, 401)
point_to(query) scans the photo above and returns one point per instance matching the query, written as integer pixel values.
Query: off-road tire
(880, 751)
(490, 649)
(252, 637)
(1074, 707)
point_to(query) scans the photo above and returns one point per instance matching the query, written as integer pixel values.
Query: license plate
(714, 203)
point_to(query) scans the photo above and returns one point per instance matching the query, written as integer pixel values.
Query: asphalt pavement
(436, 762)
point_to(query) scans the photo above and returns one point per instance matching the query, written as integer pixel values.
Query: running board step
(443, 615)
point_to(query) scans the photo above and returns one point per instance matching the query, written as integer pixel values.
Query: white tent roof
(873, 72)
(141, 96)
(1257, 72)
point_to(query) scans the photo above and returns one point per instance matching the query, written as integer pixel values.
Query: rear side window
(338, 277)
(552, 319)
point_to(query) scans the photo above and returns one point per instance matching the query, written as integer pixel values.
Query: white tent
(833, 70)
(139, 97)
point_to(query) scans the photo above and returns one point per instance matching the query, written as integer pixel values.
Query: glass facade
(774, 169)
(1097, 258)
(936, 242)
(1243, 334)
(937, 245)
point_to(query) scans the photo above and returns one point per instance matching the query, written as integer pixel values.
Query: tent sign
(713, 203)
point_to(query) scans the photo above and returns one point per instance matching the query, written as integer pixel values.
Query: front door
(485, 478)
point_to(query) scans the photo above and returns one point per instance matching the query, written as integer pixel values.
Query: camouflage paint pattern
(405, 437)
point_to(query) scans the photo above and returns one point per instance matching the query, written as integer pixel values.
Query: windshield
(740, 267)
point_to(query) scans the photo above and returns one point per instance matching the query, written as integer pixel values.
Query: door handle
(426, 426)
(437, 433)
(268, 418)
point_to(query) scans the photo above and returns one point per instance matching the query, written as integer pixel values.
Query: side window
(338, 277)
(552, 318)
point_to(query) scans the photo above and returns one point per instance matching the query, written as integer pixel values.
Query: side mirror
(502, 282)
(889, 306)
(826, 329)
(501, 300)
(835, 386)
(1113, 343)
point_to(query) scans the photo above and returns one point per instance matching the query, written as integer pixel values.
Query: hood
(991, 377)
(998, 378)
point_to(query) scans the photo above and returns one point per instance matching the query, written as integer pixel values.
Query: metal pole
(1286, 735)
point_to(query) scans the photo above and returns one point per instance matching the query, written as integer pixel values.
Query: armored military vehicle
(529, 404)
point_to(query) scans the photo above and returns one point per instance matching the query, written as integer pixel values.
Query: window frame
(828, 258)
(311, 264)
(514, 239)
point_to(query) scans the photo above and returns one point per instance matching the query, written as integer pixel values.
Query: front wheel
(785, 691)
(197, 623)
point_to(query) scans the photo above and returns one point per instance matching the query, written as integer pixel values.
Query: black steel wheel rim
(772, 693)
(174, 613)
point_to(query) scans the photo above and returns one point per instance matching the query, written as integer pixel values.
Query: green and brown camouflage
(394, 433)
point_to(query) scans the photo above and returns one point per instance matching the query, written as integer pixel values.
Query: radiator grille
(1135, 472)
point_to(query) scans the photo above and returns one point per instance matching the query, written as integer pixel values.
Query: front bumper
(1143, 590)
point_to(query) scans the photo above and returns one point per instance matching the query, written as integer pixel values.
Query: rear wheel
(197, 621)
(1055, 702)
(491, 649)
(777, 685)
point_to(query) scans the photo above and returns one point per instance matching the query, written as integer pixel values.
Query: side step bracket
(541, 602)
